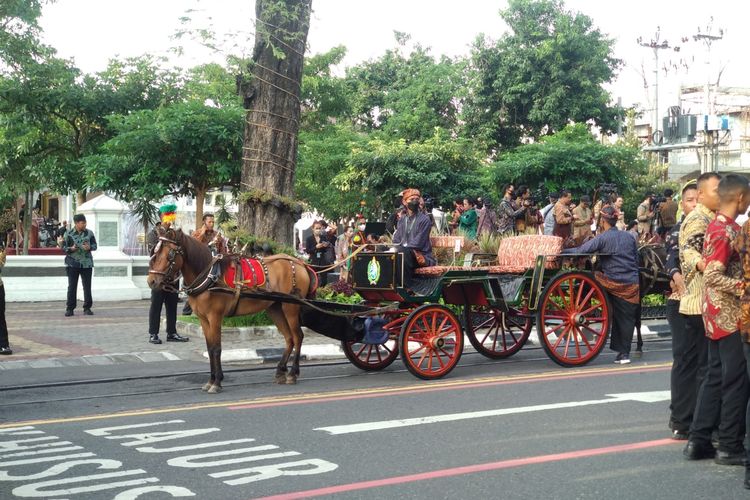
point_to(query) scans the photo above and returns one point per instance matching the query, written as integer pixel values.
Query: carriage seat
(515, 255)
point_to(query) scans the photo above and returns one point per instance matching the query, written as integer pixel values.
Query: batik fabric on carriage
(692, 234)
(723, 283)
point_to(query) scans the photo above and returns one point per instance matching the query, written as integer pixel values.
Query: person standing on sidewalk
(161, 297)
(4, 344)
(78, 243)
(684, 381)
(723, 394)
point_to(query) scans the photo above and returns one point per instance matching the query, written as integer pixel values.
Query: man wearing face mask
(412, 237)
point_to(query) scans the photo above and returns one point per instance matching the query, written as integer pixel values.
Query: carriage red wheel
(497, 334)
(371, 357)
(374, 357)
(431, 341)
(573, 318)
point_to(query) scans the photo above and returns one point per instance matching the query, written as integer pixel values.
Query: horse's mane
(197, 255)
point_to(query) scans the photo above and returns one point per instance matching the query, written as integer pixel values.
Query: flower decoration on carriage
(167, 213)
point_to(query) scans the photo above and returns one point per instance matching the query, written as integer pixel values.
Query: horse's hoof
(214, 389)
(291, 380)
(281, 380)
(206, 386)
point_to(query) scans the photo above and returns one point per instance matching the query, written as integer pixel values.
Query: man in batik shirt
(742, 245)
(692, 234)
(723, 393)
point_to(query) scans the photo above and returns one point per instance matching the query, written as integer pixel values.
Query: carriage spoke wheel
(497, 334)
(431, 341)
(374, 357)
(573, 319)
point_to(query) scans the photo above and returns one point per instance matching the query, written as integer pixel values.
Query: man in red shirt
(723, 394)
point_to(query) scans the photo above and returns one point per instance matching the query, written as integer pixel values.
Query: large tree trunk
(272, 123)
(200, 200)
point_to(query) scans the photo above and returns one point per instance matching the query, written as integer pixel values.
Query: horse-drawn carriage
(495, 307)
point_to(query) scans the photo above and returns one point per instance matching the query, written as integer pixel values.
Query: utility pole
(656, 45)
(711, 147)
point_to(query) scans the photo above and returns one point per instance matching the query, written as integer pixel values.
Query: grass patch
(258, 319)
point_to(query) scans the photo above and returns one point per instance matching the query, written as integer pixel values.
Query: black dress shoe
(154, 339)
(699, 451)
(87, 312)
(176, 337)
(730, 458)
(69, 312)
(6, 351)
(679, 435)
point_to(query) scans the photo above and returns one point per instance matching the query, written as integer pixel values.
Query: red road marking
(418, 390)
(470, 469)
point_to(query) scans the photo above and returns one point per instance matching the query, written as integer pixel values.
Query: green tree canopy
(571, 159)
(441, 168)
(546, 72)
(406, 97)
(181, 149)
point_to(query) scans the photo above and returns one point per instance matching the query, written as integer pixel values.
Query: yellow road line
(417, 387)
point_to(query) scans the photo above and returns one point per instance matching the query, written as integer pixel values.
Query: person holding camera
(645, 216)
(318, 246)
(667, 212)
(78, 243)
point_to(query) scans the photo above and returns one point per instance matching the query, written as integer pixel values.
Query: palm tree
(147, 214)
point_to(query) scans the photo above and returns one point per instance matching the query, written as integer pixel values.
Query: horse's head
(167, 259)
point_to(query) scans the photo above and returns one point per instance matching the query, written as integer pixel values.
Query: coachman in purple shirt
(412, 236)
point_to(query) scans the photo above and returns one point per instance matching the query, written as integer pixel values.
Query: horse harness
(172, 274)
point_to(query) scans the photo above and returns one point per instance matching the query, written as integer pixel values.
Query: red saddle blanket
(250, 274)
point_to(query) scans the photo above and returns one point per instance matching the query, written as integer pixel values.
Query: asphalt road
(522, 428)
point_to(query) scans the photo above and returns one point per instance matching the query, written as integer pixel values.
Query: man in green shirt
(78, 243)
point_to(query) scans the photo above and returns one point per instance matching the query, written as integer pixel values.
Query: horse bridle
(172, 274)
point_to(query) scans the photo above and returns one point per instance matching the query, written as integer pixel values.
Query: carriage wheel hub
(437, 342)
(577, 319)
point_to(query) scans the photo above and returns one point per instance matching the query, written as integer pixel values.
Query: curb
(90, 360)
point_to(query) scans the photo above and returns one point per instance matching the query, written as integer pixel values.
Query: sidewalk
(41, 337)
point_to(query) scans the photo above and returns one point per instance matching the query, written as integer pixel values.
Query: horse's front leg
(213, 345)
(206, 327)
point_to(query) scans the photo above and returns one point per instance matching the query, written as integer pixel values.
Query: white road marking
(643, 397)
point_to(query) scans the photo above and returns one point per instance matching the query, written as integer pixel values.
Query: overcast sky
(92, 31)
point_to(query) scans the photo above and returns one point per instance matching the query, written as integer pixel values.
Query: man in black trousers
(686, 350)
(78, 243)
(161, 297)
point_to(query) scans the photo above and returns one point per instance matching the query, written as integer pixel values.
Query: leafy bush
(340, 291)
(654, 299)
(258, 319)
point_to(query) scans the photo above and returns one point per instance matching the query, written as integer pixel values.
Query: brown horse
(178, 253)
